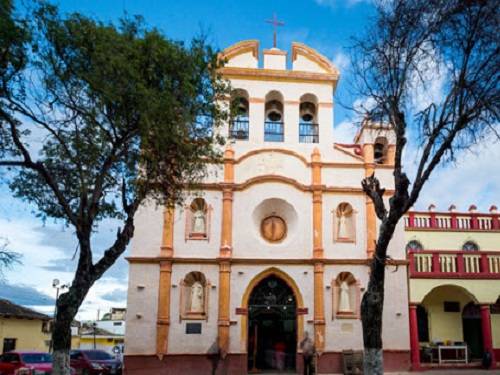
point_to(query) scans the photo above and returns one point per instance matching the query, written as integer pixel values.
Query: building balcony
(433, 264)
(274, 131)
(239, 129)
(308, 132)
(452, 221)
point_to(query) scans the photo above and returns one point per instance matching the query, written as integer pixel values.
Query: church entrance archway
(272, 326)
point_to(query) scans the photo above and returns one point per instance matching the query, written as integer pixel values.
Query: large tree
(411, 45)
(120, 114)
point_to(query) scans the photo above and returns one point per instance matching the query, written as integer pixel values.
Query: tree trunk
(67, 308)
(372, 308)
(372, 305)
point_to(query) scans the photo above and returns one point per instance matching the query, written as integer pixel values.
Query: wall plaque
(193, 328)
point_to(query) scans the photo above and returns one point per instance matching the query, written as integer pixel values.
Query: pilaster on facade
(225, 253)
(167, 247)
(164, 288)
(223, 321)
(318, 252)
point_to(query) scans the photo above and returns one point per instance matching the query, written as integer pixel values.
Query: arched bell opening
(274, 130)
(308, 123)
(240, 111)
(380, 150)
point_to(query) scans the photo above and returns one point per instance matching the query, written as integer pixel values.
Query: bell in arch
(274, 111)
(379, 153)
(307, 112)
(241, 107)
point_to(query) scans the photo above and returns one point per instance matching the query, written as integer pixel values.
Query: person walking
(308, 352)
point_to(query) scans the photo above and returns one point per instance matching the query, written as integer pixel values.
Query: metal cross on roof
(275, 24)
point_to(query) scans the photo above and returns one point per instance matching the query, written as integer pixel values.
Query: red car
(26, 363)
(95, 362)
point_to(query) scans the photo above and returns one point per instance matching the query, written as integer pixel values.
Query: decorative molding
(274, 51)
(241, 48)
(261, 261)
(339, 148)
(268, 150)
(315, 56)
(279, 75)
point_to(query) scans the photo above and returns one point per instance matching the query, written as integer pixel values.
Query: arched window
(414, 245)
(308, 124)
(274, 130)
(239, 126)
(346, 297)
(380, 150)
(470, 246)
(194, 296)
(344, 229)
(198, 220)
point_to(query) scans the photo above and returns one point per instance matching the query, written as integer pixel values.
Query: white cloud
(344, 132)
(471, 180)
(341, 61)
(336, 3)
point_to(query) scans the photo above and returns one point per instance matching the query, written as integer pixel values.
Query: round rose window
(273, 228)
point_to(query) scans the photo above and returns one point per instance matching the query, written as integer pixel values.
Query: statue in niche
(344, 300)
(199, 221)
(197, 298)
(344, 215)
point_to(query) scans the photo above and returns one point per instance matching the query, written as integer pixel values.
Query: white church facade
(276, 243)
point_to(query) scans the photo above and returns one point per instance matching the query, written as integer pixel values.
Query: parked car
(95, 362)
(26, 363)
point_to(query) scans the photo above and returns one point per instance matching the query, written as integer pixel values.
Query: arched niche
(344, 223)
(414, 245)
(346, 297)
(470, 246)
(198, 220)
(194, 293)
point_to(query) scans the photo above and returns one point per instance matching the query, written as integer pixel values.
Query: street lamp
(55, 284)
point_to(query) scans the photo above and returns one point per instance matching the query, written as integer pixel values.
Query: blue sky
(327, 25)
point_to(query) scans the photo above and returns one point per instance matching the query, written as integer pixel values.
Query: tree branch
(371, 186)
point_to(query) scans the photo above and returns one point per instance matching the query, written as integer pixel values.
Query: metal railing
(238, 129)
(274, 131)
(308, 132)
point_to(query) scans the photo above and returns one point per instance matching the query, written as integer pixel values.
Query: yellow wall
(445, 325)
(495, 327)
(75, 342)
(444, 240)
(28, 333)
(484, 291)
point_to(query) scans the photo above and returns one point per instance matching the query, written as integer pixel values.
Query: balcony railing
(454, 264)
(452, 221)
(274, 131)
(239, 129)
(308, 133)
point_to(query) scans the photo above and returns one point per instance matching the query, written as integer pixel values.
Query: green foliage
(118, 108)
